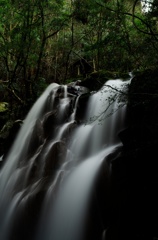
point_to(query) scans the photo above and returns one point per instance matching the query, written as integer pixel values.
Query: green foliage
(3, 107)
(46, 41)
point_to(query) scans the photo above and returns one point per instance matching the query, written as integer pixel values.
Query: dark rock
(26, 220)
(37, 137)
(73, 90)
(96, 80)
(143, 97)
(54, 158)
(82, 107)
(135, 172)
(49, 123)
(76, 88)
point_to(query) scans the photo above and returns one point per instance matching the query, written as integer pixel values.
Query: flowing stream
(51, 172)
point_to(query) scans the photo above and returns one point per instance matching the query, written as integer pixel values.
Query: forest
(59, 41)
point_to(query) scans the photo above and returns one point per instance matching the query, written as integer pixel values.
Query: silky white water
(59, 157)
(66, 218)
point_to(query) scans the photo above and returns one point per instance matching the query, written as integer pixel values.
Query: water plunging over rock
(62, 155)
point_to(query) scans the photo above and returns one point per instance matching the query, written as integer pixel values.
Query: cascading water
(47, 181)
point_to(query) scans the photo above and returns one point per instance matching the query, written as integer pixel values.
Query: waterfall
(52, 169)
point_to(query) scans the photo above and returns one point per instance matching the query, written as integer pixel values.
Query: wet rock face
(26, 219)
(49, 123)
(81, 107)
(37, 138)
(135, 173)
(134, 190)
(77, 88)
(142, 132)
(102, 208)
(54, 158)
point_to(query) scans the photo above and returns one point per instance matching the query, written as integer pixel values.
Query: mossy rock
(97, 79)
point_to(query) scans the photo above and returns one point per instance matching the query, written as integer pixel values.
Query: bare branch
(151, 33)
(12, 91)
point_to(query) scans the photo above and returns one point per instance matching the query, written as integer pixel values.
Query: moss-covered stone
(95, 80)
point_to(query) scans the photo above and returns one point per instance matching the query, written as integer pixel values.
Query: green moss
(3, 106)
